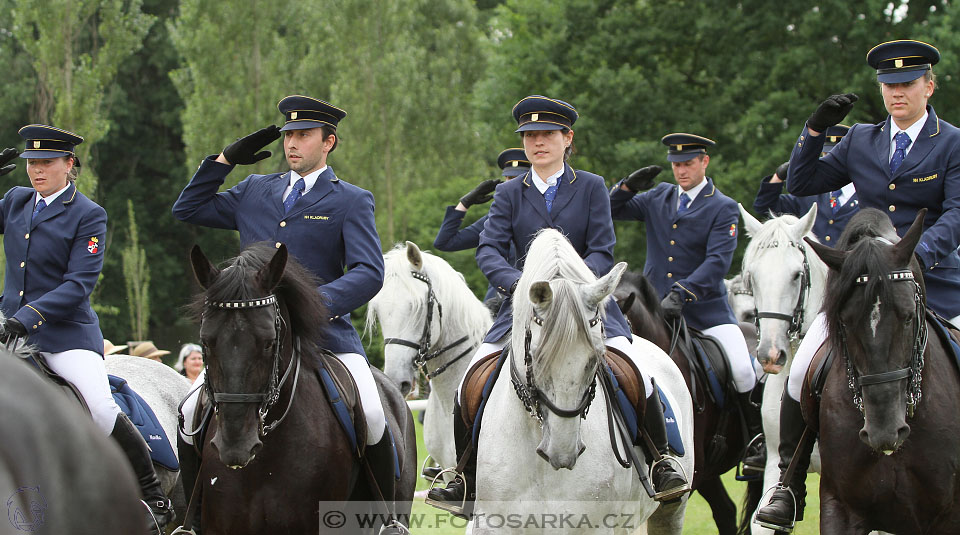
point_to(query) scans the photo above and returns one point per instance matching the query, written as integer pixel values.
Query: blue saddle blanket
(146, 421)
(630, 416)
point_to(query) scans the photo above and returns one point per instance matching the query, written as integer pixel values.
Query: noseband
(423, 347)
(269, 398)
(533, 398)
(796, 319)
(912, 373)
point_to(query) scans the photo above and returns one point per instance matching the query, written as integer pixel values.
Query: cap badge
(535, 117)
(898, 63)
(293, 115)
(679, 148)
(36, 144)
(515, 163)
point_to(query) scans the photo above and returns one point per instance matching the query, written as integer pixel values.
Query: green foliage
(137, 278)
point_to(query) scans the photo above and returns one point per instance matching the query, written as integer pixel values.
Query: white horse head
(558, 328)
(740, 299)
(786, 279)
(416, 283)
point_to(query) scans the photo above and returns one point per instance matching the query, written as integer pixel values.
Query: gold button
(892, 208)
(670, 258)
(26, 236)
(831, 221)
(670, 275)
(283, 223)
(672, 242)
(278, 245)
(893, 186)
(39, 323)
(828, 238)
(799, 144)
(34, 326)
(21, 293)
(674, 225)
(22, 264)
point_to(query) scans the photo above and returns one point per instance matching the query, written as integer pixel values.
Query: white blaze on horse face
(875, 317)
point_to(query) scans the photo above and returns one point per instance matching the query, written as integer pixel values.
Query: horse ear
(270, 274)
(596, 292)
(414, 256)
(627, 302)
(203, 269)
(903, 250)
(830, 256)
(803, 227)
(751, 223)
(541, 294)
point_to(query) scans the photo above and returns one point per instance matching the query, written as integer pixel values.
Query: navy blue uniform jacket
(690, 253)
(581, 212)
(53, 264)
(827, 227)
(330, 228)
(928, 178)
(452, 238)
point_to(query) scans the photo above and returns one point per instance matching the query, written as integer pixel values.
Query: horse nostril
(782, 358)
(405, 387)
(902, 433)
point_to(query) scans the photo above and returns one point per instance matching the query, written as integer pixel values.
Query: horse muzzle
(560, 455)
(236, 453)
(772, 356)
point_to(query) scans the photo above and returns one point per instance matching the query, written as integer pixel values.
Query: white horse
(787, 280)
(740, 299)
(418, 285)
(533, 471)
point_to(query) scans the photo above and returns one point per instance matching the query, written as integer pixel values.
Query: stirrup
(182, 531)
(424, 467)
(676, 492)
(390, 528)
(770, 525)
(749, 472)
(444, 505)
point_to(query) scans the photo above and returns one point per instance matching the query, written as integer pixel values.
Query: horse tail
(751, 500)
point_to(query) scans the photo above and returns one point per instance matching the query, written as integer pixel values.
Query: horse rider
(691, 236)
(834, 209)
(907, 162)
(551, 194)
(53, 238)
(451, 238)
(326, 223)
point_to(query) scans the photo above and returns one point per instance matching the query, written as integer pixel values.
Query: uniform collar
(52, 197)
(913, 130)
(308, 180)
(551, 180)
(694, 191)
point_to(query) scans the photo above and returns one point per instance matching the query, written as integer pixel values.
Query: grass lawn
(699, 520)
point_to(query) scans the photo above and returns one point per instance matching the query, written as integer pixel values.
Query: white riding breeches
(741, 364)
(618, 342)
(86, 371)
(358, 367)
(815, 336)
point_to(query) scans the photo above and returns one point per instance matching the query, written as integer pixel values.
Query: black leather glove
(781, 171)
(671, 305)
(642, 179)
(480, 194)
(12, 326)
(6, 157)
(244, 150)
(831, 112)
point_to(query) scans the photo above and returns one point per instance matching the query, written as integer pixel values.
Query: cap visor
(511, 172)
(44, 154)
(539, 126)
(683, 157)
(900, 77)
(302, 125)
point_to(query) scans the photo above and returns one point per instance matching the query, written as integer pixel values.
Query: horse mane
(463, 312)
(865, 257)
(297, 289)
(646, 293)
(552, 258)
(773, 234)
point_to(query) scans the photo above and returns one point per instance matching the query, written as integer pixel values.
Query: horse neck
(818, 285)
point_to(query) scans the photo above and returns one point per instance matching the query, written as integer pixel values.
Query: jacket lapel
(706, 194)
(924, 143)
(55, 208)
(535, 198)
(280, 184)
(567, 190)
(320, 189)
(882, 145)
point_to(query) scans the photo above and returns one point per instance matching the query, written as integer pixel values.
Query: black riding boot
(189, 472)
(780, 510)
(667, 482)
(136, 450)
(451, 498)
(755, 456)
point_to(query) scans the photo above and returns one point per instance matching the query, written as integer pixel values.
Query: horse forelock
(565, 325)
(765, 251)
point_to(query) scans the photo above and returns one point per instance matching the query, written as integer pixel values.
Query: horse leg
(668, 518)
(835, 519)
(723, 508)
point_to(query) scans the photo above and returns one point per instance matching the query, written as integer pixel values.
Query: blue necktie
(38, 208)
(549, 196)
(295, 195)
(684, 201)
(899, 153)
(835, 200)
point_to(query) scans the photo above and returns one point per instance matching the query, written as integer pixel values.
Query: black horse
(58, 472)
(889, 433)
(275, 459)
(719, 438)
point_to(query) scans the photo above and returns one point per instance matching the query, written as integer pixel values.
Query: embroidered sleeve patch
(93, 245)
(733, 230)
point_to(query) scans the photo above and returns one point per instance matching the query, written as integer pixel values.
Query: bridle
(796, 319)
(534, 399)
(268, 398)
(424, 346)
(913, 372)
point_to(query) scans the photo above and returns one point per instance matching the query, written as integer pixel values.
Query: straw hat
(110, 349)
(148, 350)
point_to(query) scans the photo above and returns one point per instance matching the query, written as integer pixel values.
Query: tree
(136, 274)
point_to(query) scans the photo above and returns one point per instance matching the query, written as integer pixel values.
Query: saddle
(477, 384)
(709, 368)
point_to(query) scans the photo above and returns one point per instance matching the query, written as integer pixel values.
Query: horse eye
(796, 275)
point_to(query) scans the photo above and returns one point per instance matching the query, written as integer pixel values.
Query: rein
(268, 398)
(533, 398)
(423, 347)
(912, 373)
(796, 319)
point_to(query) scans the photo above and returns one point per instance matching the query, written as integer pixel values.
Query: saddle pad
(146, 421)
(474, 391)
(714, 361)
(345, 403)
(673, 428)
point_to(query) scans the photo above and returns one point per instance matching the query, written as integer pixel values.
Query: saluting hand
(244, 150)
(642, 179)
(480, 194)
(6, 156)
(672, 305)
(780, 175)
(831, 112)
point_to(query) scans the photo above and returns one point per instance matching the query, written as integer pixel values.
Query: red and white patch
(733, 230)
(93, 245)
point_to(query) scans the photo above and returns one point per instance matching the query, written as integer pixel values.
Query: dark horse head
(640, 304)
(248, 312)
(874, 308)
